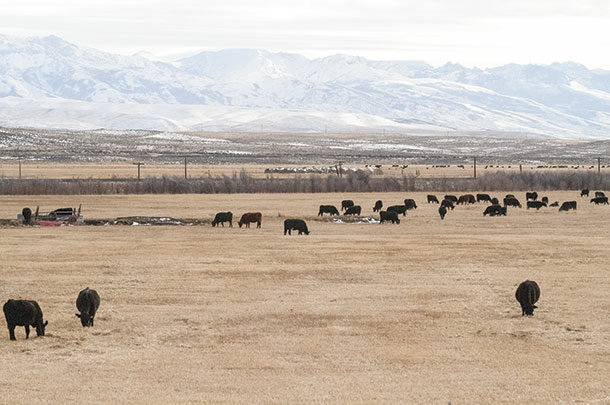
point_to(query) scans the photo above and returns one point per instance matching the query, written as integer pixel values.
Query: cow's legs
(11, 331)
(258, 224)
(27, 331)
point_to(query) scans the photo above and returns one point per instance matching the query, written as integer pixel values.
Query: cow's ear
(77, 315)
(46, 323)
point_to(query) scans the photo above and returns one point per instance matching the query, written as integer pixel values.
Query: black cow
(331, 209)
(545, 200)
(398, 209)
(410, 204)
(483, 197)
(353, 210)
(527, 294)
(599, 194)
(447, 204)
(510, 196)
(27, 216)
(512, 201)
(432, 199)
(584, 192)
(535, 204)
(568, 205)
(223, 217)
(494, 201)
(442, 211)
(345, 204)
(297, 225)
(23, 313)
(378, 206)
(451, 198)
(554, 204)
(600, 200)
(87, 303)
(495, 210)
(389, 216)
(531, 196)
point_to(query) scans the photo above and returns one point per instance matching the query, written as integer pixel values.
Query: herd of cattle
(28, 313)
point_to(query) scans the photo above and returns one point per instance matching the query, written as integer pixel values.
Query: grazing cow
(442, 211)
(600, 200)
(331, 209)
(466, 199)
(27, 216)
(554, 204)
(568, 205)
(297, 225)
(510, 196)
(535, 204)
(599, 194)
(584, 192)
(447, 204)
(249, 217)
(527, 294)
(410, 204)
(531, 196)
(451, 198)
(398, 209)
(353, 210)
(432, 199)
(483, 197)
(345, 204)
(512, 201)
(23, 313)
(389, 216)
(495, 210)
(378, 206)
(223, 217)
(87, 303)
(545, 200)
(494, 201)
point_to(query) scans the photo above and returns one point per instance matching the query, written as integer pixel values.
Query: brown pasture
(421, 312)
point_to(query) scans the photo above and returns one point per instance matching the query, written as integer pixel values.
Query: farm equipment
(58, 217)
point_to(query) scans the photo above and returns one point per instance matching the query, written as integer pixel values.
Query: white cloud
(472, 32)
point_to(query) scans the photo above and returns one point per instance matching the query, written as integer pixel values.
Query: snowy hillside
(49, 82)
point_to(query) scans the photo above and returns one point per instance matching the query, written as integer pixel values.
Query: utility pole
(138, 164)
(339, 168)
(520, 168)
(475, 167)
(599, 165)
(19, 168)
(185, 167)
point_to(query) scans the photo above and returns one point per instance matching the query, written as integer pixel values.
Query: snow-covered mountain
(50, 82)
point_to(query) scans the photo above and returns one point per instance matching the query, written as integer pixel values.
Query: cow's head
(84, 318)
(40, 328)
(530, 310)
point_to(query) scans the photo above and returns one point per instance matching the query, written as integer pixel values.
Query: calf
(531, 196)
(584, 193)
(23, 313)
(527, 294)
(535, 204)
(378, 206)
(545, 200)
(599, 194)
(495, 210)
(554, 204)
(483, 197)
(512, 201)
(410, 204)
(451, 198)
(249, 217)
(442, 211)
(87, 303)
(353, 210)
(432, 199)
(600, 200)
(494, 201)
(466, 199)
(568, 205)
(330, 209)
(223, 217)
(27, 216)
(398, 209)
(447, 204)
(345, 204)
(297, 225)
(389, 216)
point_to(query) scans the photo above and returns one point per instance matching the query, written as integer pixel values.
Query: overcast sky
(471, 32)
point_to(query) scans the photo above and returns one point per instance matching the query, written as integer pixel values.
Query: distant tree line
(353, 182)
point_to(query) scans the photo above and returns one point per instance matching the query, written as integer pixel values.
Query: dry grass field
(421, 312)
